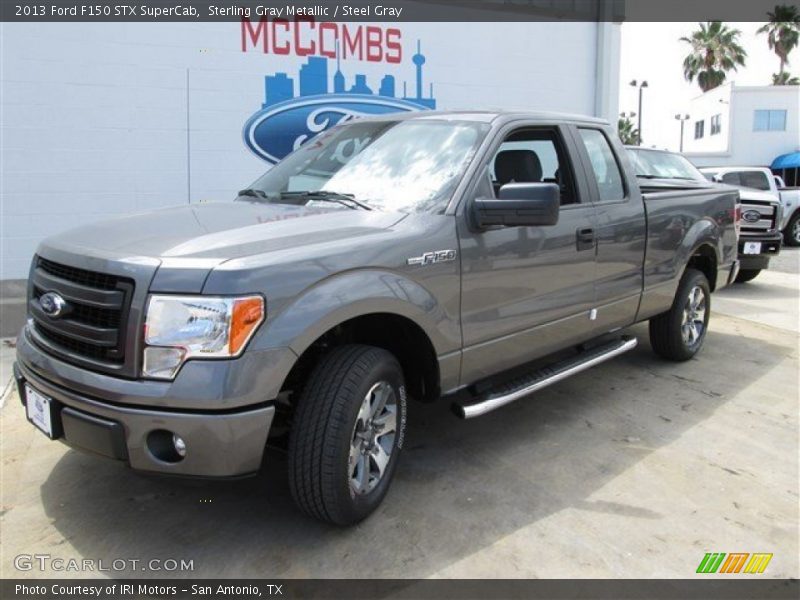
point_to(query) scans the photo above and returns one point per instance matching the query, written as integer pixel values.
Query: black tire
(329, 422)
(668, 331)
(791, 235)
(746, 275)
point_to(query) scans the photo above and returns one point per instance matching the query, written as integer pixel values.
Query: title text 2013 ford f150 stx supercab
(475, 257)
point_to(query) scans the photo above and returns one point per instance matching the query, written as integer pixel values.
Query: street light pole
(641, 87)
(682, 119)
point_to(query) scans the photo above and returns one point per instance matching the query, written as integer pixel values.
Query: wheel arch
(379, 308)
(701, 249)
(396, 333)
(705, 259)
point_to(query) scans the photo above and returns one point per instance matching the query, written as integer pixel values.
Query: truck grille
(768, 212)
(94, 322)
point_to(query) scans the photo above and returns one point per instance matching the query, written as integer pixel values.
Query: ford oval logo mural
(285, 122)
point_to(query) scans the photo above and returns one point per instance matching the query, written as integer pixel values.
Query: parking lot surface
(635, 468)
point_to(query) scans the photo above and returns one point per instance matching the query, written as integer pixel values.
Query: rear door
(621, 230)
(526, 291)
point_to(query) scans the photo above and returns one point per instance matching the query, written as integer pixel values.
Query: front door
(526, 291)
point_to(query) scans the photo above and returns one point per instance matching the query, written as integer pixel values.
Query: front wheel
(347, 434)
(791, 235)
(678, 334)
(746, 275)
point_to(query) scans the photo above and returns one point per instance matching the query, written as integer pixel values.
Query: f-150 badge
(430, 258)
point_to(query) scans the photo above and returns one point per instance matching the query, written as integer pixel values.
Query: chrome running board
(541, 378)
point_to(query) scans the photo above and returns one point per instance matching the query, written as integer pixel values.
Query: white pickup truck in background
(768, 186)
(790, 203)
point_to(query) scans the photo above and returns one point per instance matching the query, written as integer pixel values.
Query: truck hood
(751, 194)
(221, 231)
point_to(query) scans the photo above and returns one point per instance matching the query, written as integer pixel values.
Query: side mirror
(520, 205)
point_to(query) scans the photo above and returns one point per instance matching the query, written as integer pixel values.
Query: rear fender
(662, 279)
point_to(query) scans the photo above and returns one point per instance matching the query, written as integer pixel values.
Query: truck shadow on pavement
(461, 486)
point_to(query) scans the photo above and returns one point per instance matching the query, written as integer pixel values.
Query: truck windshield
(653, 164)
(408, 166)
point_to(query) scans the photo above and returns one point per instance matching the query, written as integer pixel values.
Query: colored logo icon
(735, 562)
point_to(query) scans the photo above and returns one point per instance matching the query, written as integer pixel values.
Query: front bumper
(770, 246)
(220, 442)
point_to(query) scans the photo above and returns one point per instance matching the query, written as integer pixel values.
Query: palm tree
(783, 32)
(784, 78)
(627, 132)
(715, 51)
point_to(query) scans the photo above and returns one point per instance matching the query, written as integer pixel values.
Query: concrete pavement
(633, 469)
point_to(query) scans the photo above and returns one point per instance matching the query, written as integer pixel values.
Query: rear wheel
(347, 434)
(679, 333)
(746, 275)
(791, 234)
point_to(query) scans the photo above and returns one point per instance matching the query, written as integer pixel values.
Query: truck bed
(705, 214)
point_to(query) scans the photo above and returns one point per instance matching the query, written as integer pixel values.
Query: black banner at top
(388, 11)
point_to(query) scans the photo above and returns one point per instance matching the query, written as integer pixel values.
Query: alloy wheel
(694, 316)
(372, 442)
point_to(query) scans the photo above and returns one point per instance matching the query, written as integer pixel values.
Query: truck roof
(728, 169)
(486, 116)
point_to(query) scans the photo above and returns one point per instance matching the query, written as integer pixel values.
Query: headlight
(178, 328)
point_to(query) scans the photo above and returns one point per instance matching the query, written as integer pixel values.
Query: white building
(103, 119)
(738, 125)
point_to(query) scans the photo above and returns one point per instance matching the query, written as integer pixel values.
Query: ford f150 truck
(473, 257)
(790, 210)
(760, 236)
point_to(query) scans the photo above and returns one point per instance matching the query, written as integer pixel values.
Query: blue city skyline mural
(313, 81)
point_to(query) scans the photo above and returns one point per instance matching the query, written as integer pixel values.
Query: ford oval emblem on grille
(751, 216)
(52, 304)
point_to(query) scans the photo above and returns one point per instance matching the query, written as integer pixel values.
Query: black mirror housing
(520, 205)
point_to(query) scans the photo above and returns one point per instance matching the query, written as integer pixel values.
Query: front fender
(357, 293)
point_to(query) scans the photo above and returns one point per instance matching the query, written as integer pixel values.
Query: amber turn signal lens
(248, 313)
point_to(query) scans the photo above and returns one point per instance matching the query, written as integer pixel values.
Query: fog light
(166, 446)
(162, 363)
(180, 445)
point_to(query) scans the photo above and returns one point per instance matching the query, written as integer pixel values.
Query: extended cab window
(532, 156)
(604, 165)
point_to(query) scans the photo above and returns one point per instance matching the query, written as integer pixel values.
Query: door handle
(584, 239)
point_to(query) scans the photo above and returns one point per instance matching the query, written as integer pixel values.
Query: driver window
(530, 156)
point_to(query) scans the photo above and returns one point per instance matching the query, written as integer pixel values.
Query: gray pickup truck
(471, 257)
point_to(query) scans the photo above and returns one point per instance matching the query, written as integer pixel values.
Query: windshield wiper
(347, 200)
(253, 192)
